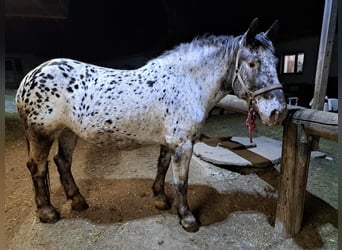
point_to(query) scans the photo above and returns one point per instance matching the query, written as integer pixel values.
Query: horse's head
(255, 78)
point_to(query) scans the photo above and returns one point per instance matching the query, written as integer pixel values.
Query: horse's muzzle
(274, 117)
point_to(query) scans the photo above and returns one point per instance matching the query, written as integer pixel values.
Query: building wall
(302, 84)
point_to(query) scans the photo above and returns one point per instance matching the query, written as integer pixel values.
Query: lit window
(300, 62)
(293, 63)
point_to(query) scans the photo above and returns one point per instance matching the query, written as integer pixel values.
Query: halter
(251, 94)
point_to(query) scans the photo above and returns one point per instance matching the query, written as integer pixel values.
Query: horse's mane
(225, 43)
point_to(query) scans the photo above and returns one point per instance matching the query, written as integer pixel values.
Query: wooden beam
(315, 122)
(233, 103)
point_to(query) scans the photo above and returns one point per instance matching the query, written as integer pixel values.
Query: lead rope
(251, 115)
(250, 122)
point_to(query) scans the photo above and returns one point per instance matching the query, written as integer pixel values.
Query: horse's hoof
(79, 204)
(162, 205)
(190, 227)
(189, 223)
(48, 215)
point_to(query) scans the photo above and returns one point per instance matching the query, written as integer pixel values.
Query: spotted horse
(164, 102)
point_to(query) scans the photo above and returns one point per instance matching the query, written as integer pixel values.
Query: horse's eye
(252, 64)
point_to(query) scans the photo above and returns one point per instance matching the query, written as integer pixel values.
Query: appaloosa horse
(165, 101)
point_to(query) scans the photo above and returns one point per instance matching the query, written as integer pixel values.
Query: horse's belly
(114, 140)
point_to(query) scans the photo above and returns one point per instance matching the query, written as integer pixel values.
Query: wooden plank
(293, 179)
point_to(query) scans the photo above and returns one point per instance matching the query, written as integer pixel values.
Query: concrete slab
(266, 147)
(317, 154)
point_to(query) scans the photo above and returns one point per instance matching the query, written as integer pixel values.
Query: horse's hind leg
(159, 182)
(66, 144)
(39, 147)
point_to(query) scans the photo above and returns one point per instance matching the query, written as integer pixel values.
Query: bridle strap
(251, 95)
(266, 89)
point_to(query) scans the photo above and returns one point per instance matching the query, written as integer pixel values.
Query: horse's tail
(27, 146)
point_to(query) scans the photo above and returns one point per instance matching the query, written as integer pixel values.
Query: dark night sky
(104, 29)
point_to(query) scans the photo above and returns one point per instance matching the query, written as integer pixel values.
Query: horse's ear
(272, 31)
(253, 29)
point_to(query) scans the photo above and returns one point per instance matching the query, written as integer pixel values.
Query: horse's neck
(214, 71)
(212, 68)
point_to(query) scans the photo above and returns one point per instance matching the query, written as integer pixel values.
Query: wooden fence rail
(300, 126)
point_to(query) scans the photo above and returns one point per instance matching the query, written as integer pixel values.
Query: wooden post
(324, 53)
(294, 173)
(324, 57)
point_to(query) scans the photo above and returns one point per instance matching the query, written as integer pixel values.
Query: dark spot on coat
(65, 75)
(38, 95)
(150, 83)
(33, 85)
(69, 89)
(109, 121)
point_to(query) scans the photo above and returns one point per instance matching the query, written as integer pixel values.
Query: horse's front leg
(180, 161)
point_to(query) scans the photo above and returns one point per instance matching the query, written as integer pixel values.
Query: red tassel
(250, 123)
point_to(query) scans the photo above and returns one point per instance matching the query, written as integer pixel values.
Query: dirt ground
(236, 210)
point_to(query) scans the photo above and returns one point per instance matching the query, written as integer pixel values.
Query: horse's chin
(270, 123)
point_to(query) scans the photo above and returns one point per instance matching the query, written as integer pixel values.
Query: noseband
(251, 94)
